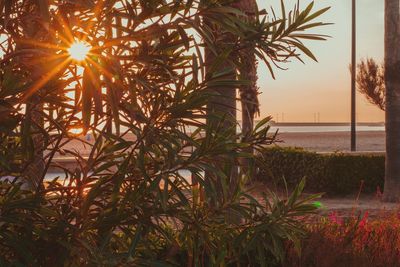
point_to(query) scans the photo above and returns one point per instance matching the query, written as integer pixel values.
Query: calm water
(52, 175)
(315, 128)
(320, 129)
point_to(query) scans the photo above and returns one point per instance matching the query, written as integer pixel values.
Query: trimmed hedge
(334, 174)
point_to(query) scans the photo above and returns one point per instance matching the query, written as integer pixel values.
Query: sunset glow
(79, 50)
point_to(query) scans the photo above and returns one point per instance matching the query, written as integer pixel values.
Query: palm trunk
(248, 93)
(392, 82)
(222, 103)
(34, 111)
(248, 98)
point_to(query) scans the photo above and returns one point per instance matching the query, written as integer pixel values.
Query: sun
(79, 50)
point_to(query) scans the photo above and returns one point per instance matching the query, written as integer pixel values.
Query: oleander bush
(138, 228)
(142, 94)
(334, 174)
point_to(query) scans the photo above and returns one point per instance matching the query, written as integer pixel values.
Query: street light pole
(353, 77)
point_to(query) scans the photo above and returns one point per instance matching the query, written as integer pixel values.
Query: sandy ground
(315, 141)
(349, 206)
(353, 206)
(333, 141)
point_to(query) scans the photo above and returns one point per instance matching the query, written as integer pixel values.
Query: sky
(306, 92)
(302, 91)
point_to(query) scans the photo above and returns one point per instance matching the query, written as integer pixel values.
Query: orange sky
(304, 90)
(324, 87)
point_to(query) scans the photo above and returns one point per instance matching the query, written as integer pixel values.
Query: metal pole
(353, 78)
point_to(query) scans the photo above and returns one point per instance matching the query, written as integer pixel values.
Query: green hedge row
(334, 174)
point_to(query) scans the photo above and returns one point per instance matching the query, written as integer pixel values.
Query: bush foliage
(358, 240)
(144, 226)
(142, 93)
(334, 174)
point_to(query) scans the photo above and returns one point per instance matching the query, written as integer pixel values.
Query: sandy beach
(372, 141)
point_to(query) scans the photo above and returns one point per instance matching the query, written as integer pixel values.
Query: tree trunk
(225, 100)
(33, 30)
(34, 171)
(222, 103)
(248, 71)
(249, 101)
(392, 82)
(248, 93)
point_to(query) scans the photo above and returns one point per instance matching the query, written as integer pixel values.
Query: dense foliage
(334, 174)
(141, 94)
(144, 226)
(362, 239)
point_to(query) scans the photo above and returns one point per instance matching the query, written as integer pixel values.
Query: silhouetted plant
(128, 202)
(371, 82)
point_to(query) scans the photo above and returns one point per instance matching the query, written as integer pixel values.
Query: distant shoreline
(367, 141)
(272, 123)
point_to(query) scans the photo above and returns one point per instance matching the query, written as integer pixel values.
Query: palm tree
(248, 71)
(278, 49)
(223, 101)
(392, 83)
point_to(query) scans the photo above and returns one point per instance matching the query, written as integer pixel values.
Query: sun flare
(79, 50)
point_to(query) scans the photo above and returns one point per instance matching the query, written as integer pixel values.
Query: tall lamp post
(353, 77)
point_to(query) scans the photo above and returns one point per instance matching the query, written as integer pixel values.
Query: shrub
(353, 241)
(144, 93)
(136, 228)
(334, 174)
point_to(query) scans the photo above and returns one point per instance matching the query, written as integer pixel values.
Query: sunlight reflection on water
(52, 175)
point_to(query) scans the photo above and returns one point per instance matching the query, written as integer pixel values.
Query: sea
(325, 128)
